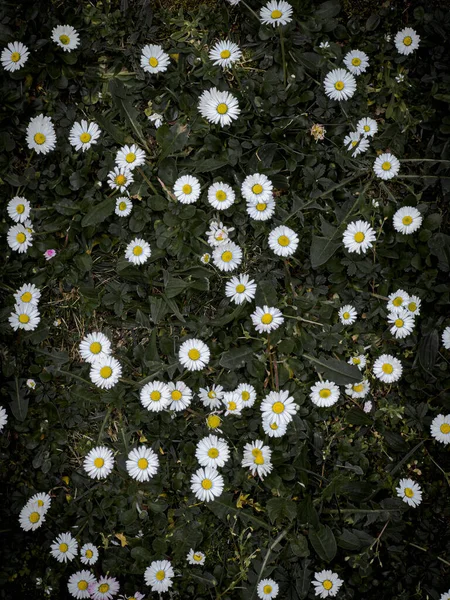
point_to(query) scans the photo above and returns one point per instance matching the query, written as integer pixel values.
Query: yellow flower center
(120, 179)
(445, 428)
(142, 463)
(26, 297)
(85, 137)
(278, 408)
(222, 108)
(82, 585)
(356, 61)
(409, 492)
(211, 394)
(130, 157)
(412, 306)
(63, 547)
(155, 396)
(356, 361)
(327, 584)
(256, 452)
(245, 396)
(346, 315)
(386, 165)
(197, 557)
(221, 195)
(267, 589)
(64, 39)
(40, 503)
(257, 188)
(325, 393)
(399, 323)
(358, 388)
(105, 372)
(160, 575)
(266, 319)
(354, 143)
(407, 40)
(276, 14)
(99, 462)
(213, 453)
(122, 206)
(138, 250)
(359, 237)
(89, 554)
(24, 318)
(206, 484)
(225, 54)
(273, 426)
(103, 588)
(240, 288)
(213, 421)
(397, 301)
(35, 516)
(283, 240)
(15, 57)
(387, 368)
(95, 347)
(186, 189)
(259, 460)
(366, 128)
(21, 237)
(339, 85)
(176, 395)
(407, 220)
(227, 256)
(39, 138)
(153, 62)
(20, 208)
(261, 206)
(232, 405)
(194, 354)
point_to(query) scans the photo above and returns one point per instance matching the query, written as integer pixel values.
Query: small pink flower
(50, 253)
(367, 406)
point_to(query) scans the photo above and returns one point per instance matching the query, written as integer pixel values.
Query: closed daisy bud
(14, 56)
(225, 54)
(440, 429)
(155, 396)
(347, 314)
(240, 289)
(78, 584)
(324, 393)
(326, 583)
(28, 294)
(205, 258)
(130, 157)
(212, 451)
(386, 166)
(64, 547)
(187, 189)
(387, 368)
(339, 84)
(142, 463)
(218, 107)
(83, 135)
(19, 238)
(25, 316)
(283, 241)
(267, 589)
(410, 492)
(194, 354)
(356, 62)
(105, 372)
(358, 237)
(41, 135)
(154, 59)
(19, 209)
(207, 484)
(195, 557)
(266, 319)
(65, 37)
(406, 41)
(88, 554)
(407, 220)
(159, 575)
(276, 13)
(402, 322)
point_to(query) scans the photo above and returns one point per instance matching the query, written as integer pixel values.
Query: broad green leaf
(323, 542)
(171, 140)
(281, 508)
(99, 213)
(236, 358)
(19, 405)
(428, 350)
(335, 370)
(356, 416)
(322, 249)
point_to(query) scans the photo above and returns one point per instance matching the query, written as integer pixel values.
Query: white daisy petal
(138, 251)
(130, 157)
(27, 294)
(266, 319)
(89, 554)
(225, 53)
(31, 517)
(440, 429)
(358, 237)
(221, 196)
(387, 368)
(257, 188)
(326, 583)
(407, 220)
(124, 206)
(155, 396)
(159, 575)
(14, 56)
(283, 241)
(386, 166)
(227, 257)
(324, 394)
(154, 59)
(41, 136)
(401, 322)
(212, 451)
(19, 238)
(276, 12)
(195, 557)
(25, 316)
(66, 37)
(347, 314)
(94, 346)
(207, 484)
(218, 107)
(194, 354)
(180, 396)
(256, 457)
(339, 84)
(105, 372)
(367, 127)
(83, 135)
(64, 547)
(78, 584)
(358, 390)
(406, 41)
(142, 463)
(410, 492)
(279, 407)
(120, 178)
(240, 289)
(356, 62)
(267, 589)
(187, 189)
(19, 209)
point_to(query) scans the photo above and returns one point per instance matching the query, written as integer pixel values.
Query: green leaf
(171, 140)
(303, 582)
(336, 370)
(158, 309)
(141, 554)
(236, 358)
(127, 109)
(299, 546)
(323, 542)
(223, 508)
(19, 405)
(356, 416)
(322, 249)
(99, 213)
(428, 350)
(281, 508)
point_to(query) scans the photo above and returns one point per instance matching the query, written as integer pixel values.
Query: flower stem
(283, 56)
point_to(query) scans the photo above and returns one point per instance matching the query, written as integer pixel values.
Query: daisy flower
(19, 238)
(347, 314)
(130, 157)
(105, 372)
(317, 130)
(19, 209)
(78, 584)
(247, 393)
(272, 428)
(279, 407)
(213, 422)
(205, 258)
(194, 354)
(240, 289)
(218, 234)
(266, 319)
(356, 62)
(397, 299)
(195, 557)
(257, 458)
(138, 251)
(267, 589)
(155, 396)
(446, 338)
(402, 322)
(28, 294)
(135, 596)
(406, 41)
(120, 178)
(159, 575)
(88, 554)
(66, 37)
(31, 517)
(339, 84)
(387, 368)
(180, 395)
(207, 484)
(407, 220)
(440, 429)
(413, 305)
(93, 346)
(227, 257)
(410, 492)
(64, 547)
(212, 451)
(225, 53)
(324, 393)
(353, 141)
(233, 403)
(31, 384)
(276, 13)
(187, 189)
(211, 397)
(367, 127)
(221, 196)
(41, 135)
(156, 119)
(358, 237)
(142, 463)
(25, 316)
(83, 135)
(358, 390)
(218, 107)
(262, 210)
(445, 596)
(283, 241)
(41, 500)
(326, 583)
(14, 56)
(386, 166)
(123, 206)
(99, 462)
(359, 361)
(154, 59)
(257, 188)
(104, 589)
